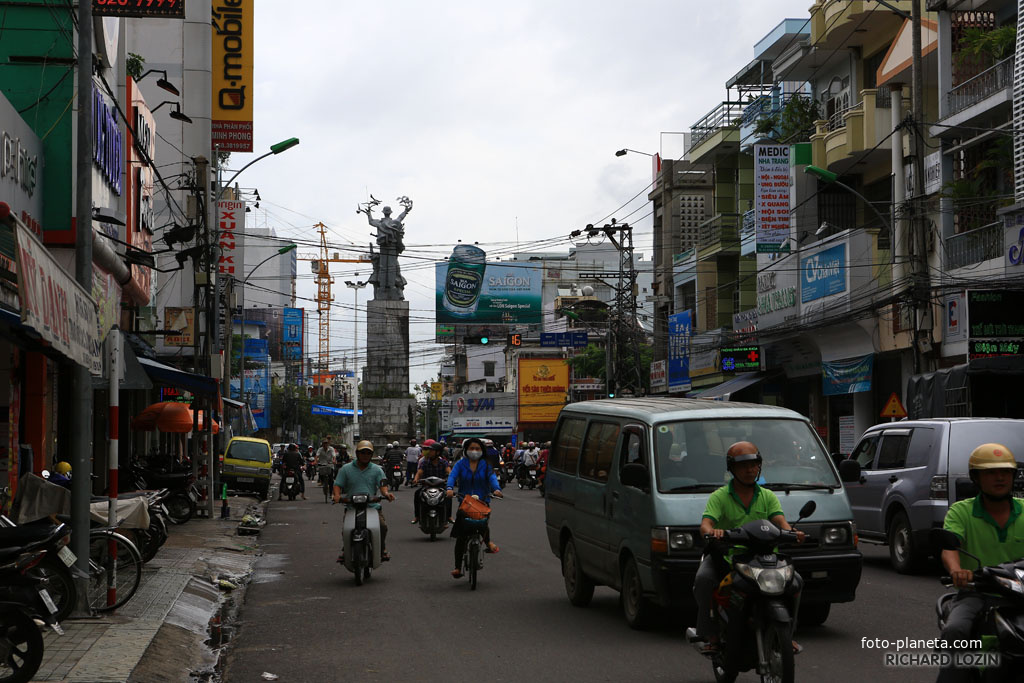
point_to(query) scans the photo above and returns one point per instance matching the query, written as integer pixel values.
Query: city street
(304, 618)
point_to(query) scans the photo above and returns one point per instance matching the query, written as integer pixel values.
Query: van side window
(566, 450)
(893, 454)
(865, 452)
(599, 450)
(920, 447)
(632, 450)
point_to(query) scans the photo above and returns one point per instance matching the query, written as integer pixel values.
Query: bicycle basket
(474, 508)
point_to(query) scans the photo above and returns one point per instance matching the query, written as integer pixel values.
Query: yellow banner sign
(232, 75)
(543, 388)
(436, 391)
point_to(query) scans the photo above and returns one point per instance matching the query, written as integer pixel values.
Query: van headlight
(835, 535)
(771, 581)
(680, 540)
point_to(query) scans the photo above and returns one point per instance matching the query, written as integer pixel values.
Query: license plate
(289, 480)
(66, 556)
(45, 595)
(246, 480)
(533, 473)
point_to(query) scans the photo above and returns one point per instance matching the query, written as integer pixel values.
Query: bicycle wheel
(112, 553)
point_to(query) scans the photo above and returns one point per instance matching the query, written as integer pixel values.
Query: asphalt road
(304, 618)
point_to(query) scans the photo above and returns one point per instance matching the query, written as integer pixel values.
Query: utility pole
(81, 413)
(921, 288)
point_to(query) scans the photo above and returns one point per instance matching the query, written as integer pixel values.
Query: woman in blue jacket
(474, 477)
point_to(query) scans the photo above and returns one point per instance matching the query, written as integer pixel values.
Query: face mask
(474, 455)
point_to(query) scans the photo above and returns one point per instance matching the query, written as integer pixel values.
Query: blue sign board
(823, 274)
(291, 333)
(257, 381)
(679, 352)
(330, 410)
(577, 340)
(847, 376)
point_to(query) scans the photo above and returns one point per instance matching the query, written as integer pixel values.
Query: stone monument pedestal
(389, 414)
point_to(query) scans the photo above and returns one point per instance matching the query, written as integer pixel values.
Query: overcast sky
(499, 121)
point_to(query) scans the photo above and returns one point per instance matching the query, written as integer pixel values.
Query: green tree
(793, 123)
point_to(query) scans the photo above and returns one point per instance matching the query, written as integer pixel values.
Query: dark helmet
(293, 447)
(731, 460)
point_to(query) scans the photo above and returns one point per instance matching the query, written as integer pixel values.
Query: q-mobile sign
(231, 127)
(139, 8)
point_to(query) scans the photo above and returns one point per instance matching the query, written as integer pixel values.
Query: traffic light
(481, 339)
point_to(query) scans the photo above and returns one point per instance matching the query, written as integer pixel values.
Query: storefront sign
(771, 198)
(576, 340)
(21, 167)
(257, 381)
(232, 23)
(171, 9)
(108, 142)
(587, 384)
(823, 274)
(183, 321)
(107, 295)
(291, 333)
(955, 318)
(141, 187)
(659, 376)
(995, 313)
(543, 388)
(230, 237)
(847, 434)
(436, 391)
(56, 306)
(490, 413)
(848, 376)
(741, 359)
(992, 348)
(745, 322)
(679, 330)
(932, 175)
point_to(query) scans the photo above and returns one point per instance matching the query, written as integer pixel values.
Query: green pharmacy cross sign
(741, 359)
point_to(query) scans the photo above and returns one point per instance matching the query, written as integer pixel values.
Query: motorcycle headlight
(680, 540)
(771, 581)
(1014, 585)
(835, 535)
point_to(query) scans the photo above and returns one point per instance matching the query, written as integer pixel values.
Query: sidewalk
(164, 632)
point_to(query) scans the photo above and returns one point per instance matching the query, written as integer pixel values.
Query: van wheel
(814, 613)
(635, 607)
(903, 555)
(578, 586)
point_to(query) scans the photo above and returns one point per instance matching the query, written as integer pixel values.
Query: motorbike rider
(991, 527)
(473, 476)
(531, 455)
(412, 458)
(343, 457)
(364, 477)
(325, 456)
(740, 501)
(293, 460)
(431, 465)
(394, 456)
(61, 475)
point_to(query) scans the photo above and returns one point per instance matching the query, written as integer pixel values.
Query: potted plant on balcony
(987, 46)
(793, 123)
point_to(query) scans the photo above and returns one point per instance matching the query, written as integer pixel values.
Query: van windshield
(690, 454)
(248, 450)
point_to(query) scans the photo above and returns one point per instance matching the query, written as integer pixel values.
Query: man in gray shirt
(412, 456)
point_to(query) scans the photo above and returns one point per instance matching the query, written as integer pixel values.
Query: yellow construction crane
(320, 264)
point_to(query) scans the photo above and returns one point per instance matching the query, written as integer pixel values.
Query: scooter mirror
(46, 474)
(808, 509)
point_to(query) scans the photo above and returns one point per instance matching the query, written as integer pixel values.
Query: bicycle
(473, 557)
(115, 569)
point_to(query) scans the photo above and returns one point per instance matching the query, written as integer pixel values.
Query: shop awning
(723, 391)
(165, 374)
(248, 421)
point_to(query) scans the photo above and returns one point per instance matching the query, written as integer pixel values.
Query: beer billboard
(469, 290)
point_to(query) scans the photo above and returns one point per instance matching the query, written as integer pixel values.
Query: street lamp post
(356, 286)
(833, 179)
(241, 369)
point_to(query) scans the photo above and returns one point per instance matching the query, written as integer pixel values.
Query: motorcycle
(182, 490)
(396, 475)
(1001, 626)
(755, 605)
(23, 600)
(527, 477)
(433, 500)
(54, 571)
(290, 483)
(361, 533)
(510, 472)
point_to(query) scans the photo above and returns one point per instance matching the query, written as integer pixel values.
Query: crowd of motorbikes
(38, 568)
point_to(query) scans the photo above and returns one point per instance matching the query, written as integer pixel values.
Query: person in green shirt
(990, 527)
(364, 477)
(731, 506)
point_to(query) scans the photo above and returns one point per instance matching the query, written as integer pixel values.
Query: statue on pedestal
(387, 280)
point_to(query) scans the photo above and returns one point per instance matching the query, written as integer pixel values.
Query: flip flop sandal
(456, 573)
(494, 551)
(797, 648)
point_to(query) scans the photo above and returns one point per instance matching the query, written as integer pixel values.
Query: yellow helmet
(364, 445)
(991, 456)
(62, 468)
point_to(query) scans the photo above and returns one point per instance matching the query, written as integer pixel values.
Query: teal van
(628, 480)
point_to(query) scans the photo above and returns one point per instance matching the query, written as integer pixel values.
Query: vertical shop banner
(291, 337)
(231, 238)
(182, 320)
(232, 75)
(257, 381)
(679, 352)
(55, 306)
(659, 376)
(771, 198)
(140, 182)
(543, 388)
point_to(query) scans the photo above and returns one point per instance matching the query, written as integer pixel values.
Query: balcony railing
(719, 230)
(883, 97)
(977, 88)
(838, 119)
(974, 246)
(722, 116)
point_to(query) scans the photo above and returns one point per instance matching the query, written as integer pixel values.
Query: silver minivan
(628, 479)
(911, 471)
